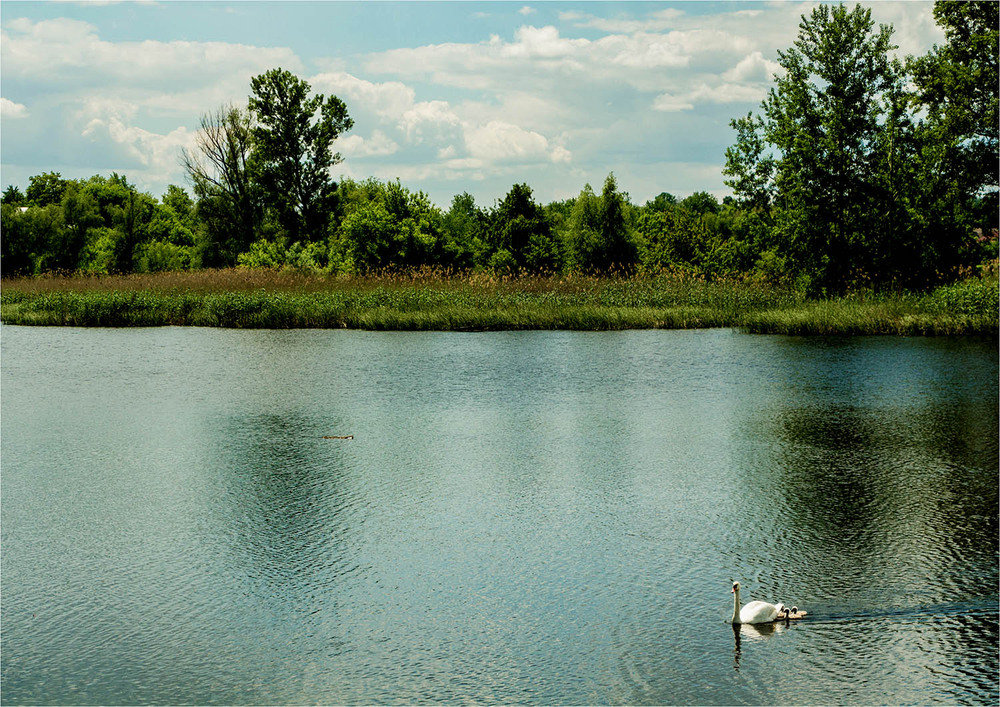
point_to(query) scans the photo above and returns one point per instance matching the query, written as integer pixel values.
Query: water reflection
(286, 500)
(753, 632)
(530, 518)
(872, 476)
(859, 495)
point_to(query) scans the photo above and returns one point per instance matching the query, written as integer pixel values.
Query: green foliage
(518, 227)
(45, 189)
(957, 86)
(230, 202)
(503, 263)
(701, 203)
(600, 236)
(279, 254)
(750, 165)
(582, 237)
(98, 254)
(672, 238)
(165, 256)
(12, 195)
(100, 225)
(824, 117)
(952, 186)
(368, 236)
(463, 230)
(131, 220)
(974, 298)
(18, 244)
(663, 201)
(264, 253)
(854, 188)
(44, 228)
(292, 141)
(386, 226)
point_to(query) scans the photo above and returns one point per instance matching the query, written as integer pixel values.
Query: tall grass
(436, 300)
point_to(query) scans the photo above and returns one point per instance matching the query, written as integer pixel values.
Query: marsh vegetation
(436, 300)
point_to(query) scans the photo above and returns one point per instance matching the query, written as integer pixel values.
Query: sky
(447, 97)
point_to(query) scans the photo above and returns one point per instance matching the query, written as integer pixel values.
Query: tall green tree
(45, 189)
(32, 239)
(463, 228)
(230, 199)
(957, 88)
(12, 195)
(293, 139)
(599, 235)
(16, 245)
(80, 214)
(816, 145)
(130, 218)
(664, 201)
(750, 165)
(520, 237)
(958, 83)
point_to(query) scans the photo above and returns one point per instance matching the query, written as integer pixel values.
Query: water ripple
(523, 518)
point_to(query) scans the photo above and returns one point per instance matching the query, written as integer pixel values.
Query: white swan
(756, 612)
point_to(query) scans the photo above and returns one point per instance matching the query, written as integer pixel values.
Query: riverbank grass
(428, 300)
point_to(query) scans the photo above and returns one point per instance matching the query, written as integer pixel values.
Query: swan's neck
(736, 607)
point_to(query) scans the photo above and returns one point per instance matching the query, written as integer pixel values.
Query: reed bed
(437, 300)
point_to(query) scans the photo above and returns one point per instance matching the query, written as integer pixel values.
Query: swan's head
(736, 587)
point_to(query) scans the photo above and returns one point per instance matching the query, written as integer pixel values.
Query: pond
(519, 517)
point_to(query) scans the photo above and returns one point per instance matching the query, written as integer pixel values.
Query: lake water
(521, 517)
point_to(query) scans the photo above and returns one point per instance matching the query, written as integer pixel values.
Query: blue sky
(448, 97)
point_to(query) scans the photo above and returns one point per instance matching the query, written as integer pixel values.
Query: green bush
(970, 298)
(98, 254)
(162, 256)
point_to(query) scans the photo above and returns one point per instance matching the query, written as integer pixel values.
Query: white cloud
(123, 105)
(535, 54)
(428, 117)
(527, 10)
(540, 43)
(388, 100)
(703, 93)
(671, 104)
(70, 54)
(545, 97)
(377, 145)
(154, 155)
(914, 32)
(498, 141)
(102, 106)
(544, 61)
(461, 139)
(9, 109)
(752, 67)
(560, 154)
(642, 51)
(728, 93)
(446, 153)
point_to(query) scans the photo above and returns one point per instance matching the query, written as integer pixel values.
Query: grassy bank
(433, 301)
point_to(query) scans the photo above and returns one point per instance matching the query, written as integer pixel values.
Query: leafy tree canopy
(293, 149)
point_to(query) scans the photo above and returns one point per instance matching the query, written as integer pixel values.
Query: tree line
(858, 169)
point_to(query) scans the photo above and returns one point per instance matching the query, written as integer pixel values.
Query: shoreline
(439, 302)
